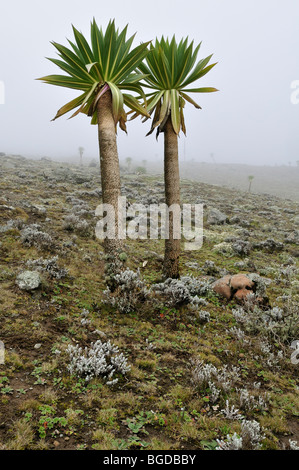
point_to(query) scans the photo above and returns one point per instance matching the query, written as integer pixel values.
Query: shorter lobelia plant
(250, 179)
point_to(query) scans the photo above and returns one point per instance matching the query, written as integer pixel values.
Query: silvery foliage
(198, 301)
(33, 236)
(85, 320)
(192, 265)
(293, 237)
(214, 392)
(75, 220)
(241, 247)
(240, 315)
(175, 291)
(49, 266)
(210, 268)
(195, 310)
(250, 402)
(238, 334)
(249, 440)
(224, 249)
(203, 316)
(275, 314)
(231, 412)
(181, 291)
(73, 223)
(205, 374)
(75, 201)
(196, 286)
(129, 290)
(149, 346)
(275, 323)
(12, 224)
(251, 434)
(293, 445)
(82, 210)
(287, 273)
(269, 245)
(102, 359)
(272, 359)
(260, 287)
(233, 442)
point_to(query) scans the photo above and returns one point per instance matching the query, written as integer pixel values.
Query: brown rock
(241, 294)
(240, 281)
(222, 287)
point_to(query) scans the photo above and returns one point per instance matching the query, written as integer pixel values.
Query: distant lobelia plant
(81, 151)
(169, 69)
(250, 179)
(104, 71)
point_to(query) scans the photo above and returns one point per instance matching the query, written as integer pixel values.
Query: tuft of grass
(104, 440)
(23, 436)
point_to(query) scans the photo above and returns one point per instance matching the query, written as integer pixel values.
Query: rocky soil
(208, 361)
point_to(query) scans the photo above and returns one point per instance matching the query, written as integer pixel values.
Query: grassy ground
(157, 404)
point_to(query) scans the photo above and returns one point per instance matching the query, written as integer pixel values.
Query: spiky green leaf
(108, 60)
(169, 68)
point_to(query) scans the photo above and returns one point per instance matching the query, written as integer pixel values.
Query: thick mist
(253, 119)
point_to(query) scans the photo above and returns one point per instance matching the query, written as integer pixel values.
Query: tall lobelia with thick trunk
(172, 200)
(104, 71)
(110, 175)
(169, 68)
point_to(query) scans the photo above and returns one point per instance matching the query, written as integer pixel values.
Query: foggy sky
(250, 120)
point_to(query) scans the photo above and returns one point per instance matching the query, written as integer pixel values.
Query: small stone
(37, 346)
(28, 280)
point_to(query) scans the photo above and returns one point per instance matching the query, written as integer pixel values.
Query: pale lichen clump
(102, 360)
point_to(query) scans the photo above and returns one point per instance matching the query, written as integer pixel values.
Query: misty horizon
(252, 119)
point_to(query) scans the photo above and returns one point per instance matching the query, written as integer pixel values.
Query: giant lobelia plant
(168, 70)
(105, 72)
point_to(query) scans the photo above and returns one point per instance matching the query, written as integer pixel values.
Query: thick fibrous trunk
(172, 196)
(110, 175)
